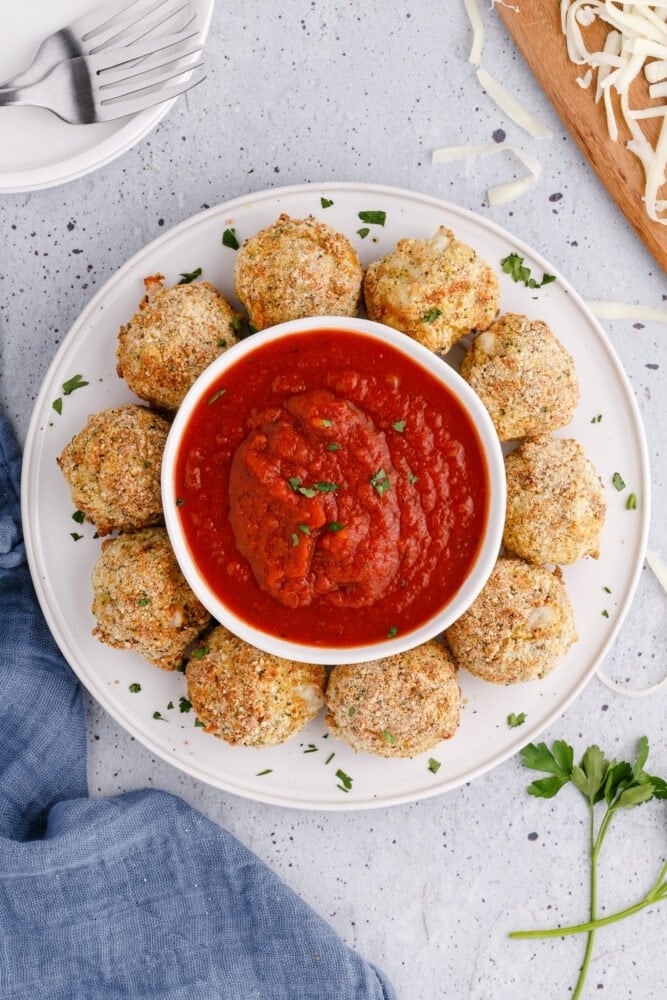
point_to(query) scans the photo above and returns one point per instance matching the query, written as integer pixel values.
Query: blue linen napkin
(137, 896)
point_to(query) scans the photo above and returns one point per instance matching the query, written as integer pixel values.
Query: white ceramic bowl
(487, 552)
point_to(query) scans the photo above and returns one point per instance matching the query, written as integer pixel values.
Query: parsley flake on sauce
(618, 482)
(514, 265)
(326, 487)
(399, 426)
(295, 539)
(379, 482)
(229, 239)
(188, 276)
(514, 720)
(332, 446)
(216, 395)
(304, 528)
(179, 501)
(374, 218)
(74, 383)
(392, 632)
(434, 765)
(334, 526)
(413, 479)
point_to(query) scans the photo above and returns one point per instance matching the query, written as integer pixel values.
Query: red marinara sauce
(332, 491)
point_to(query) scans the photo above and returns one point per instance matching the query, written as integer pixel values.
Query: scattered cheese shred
(501, 193)
(512, 108)
(624, 310)
(660, 569)
(635, 42)
(472, 9)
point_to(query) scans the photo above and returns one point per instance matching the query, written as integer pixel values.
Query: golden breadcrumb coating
(523, 375)
(435, 290)
(555, 502)
(398, 706)
(519, 627)
(113, 466)
(174, 336)
(296, 268)
(248, 697)
(141, 600)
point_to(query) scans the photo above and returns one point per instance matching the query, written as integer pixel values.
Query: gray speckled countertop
(363, 91)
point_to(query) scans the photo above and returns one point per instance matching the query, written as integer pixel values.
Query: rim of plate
(31, 460)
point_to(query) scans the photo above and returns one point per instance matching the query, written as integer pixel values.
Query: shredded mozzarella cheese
(624, 310)
(512, 108)
(501, 193)
(636, 42)
(472, 10)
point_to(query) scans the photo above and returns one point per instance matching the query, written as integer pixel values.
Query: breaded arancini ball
(174, 336)
(398, 706)
(523, 375)
(555, 502)
(296, 268)
(518, 628)
(248, 697)
(113, 467)
(141, 600)
(435, 290)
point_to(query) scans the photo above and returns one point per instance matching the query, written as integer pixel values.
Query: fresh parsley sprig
(612, 784)
(514, 265)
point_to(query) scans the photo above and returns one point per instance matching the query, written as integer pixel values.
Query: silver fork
(109, 84)
(113, 24)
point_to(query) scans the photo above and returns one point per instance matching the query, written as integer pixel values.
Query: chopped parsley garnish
(229, 239)
(188, 276)
(597, 419)
(345, 780)
(237, 325)
(351, 711)
(413, 479)
(607, 590)
(326, 202)
(143, 601)
(216, 395)
(617, 480)
(267, 770)
(631, 503)
(76, 536)
(311, 748)
(434, 765)
(380, 483)
(326, 487)
(199, 724)
(72, 384)
(374, 218)
(326, 423)
(222, 342)
(399, 426)
(159, 716)
(514, 266)
(605, 613)
(170, 705)
(363, 232)
(57, 405)
(332, 446)
(392, 632)
(134, 688)
(295, 539)
(198, 653)
(431, 315)
(78, 516)
(388, 738)
(330, 758)
(304, 528)
(179, 501)
(184, 705)
(294, 482)
(334, 526)
(514, 720)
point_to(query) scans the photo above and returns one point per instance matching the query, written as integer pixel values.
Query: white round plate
(37, 149)
(302, 772)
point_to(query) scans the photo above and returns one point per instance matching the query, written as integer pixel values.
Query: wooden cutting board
(536, 31)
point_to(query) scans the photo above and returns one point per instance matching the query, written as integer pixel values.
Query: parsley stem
(595, 844)
(612, 918)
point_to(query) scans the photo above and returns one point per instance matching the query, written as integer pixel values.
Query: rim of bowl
(487, 552)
